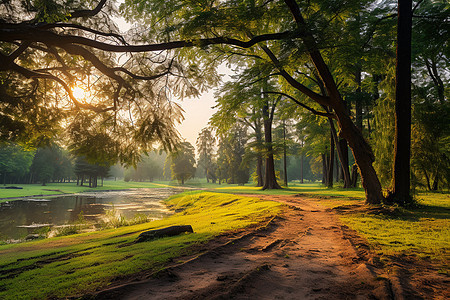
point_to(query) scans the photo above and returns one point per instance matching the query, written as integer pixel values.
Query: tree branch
(10, 58)
(294, 83)
(14, 32)
(88, 12)
(32, 74)
(80, 27)
(319, 113)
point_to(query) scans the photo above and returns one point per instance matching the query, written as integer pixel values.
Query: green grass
(69, 188)
(310, 189)
(79, 264)
(422, 232)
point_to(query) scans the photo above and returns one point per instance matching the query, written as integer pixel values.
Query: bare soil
(306, 253)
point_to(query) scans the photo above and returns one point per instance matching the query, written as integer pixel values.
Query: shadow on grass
(416, 214)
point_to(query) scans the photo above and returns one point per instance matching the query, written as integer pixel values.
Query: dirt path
(304, 254)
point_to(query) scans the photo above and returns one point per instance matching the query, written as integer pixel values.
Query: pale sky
(199, 110)
(196, 116)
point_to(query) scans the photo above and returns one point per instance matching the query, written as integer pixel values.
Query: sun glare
(79, 93)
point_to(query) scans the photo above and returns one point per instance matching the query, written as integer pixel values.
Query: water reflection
(20, 217)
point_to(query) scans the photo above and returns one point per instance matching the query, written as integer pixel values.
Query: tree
(45, 28)
(148, 168)
(239, 102)
(85, 169)
(230, 161)
(402, 145)
(249, 99)
(299, 40)
(182, 162)
(15, 162)
(431, 144)
(205, 147)
(43, 166)
(59, 71)
(286, 34)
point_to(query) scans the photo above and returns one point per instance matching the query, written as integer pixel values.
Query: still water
(19, 218)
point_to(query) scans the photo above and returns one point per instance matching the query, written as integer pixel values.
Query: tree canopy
(68, 71)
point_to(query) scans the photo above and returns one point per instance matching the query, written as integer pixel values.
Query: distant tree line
(20, 165)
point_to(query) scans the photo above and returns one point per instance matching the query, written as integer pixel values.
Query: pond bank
(55, 189)
(83, 263)
(60, 215)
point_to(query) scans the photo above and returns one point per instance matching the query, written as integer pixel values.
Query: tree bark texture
(361, 149)
(402, 144)
(342, 154)
(259, 158)
(324, 168)
(330, 163)
(270, 180)
(285, 155)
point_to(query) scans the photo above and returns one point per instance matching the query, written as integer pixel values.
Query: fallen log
(159, 233)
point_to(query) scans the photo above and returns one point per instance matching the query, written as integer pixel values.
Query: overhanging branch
(319, 113)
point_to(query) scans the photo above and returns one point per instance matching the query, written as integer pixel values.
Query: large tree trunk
(363, 155)
(402, 145)
(330, 163)
(324, 168)
(343, 155)
(301, 168)
(285, 155)
(361, 150)
(259, 158)
(270, 180)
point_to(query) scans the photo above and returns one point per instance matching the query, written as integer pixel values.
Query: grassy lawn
(312, 189)
(79, 264)
(70, 188)
(423, 232)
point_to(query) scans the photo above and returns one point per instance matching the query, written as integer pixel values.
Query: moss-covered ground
(78, 264)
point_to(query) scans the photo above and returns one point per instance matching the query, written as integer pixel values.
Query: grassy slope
(82, 263)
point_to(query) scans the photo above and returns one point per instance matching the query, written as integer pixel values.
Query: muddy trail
(306, 253)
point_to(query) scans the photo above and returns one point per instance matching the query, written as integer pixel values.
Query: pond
(19, 218)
